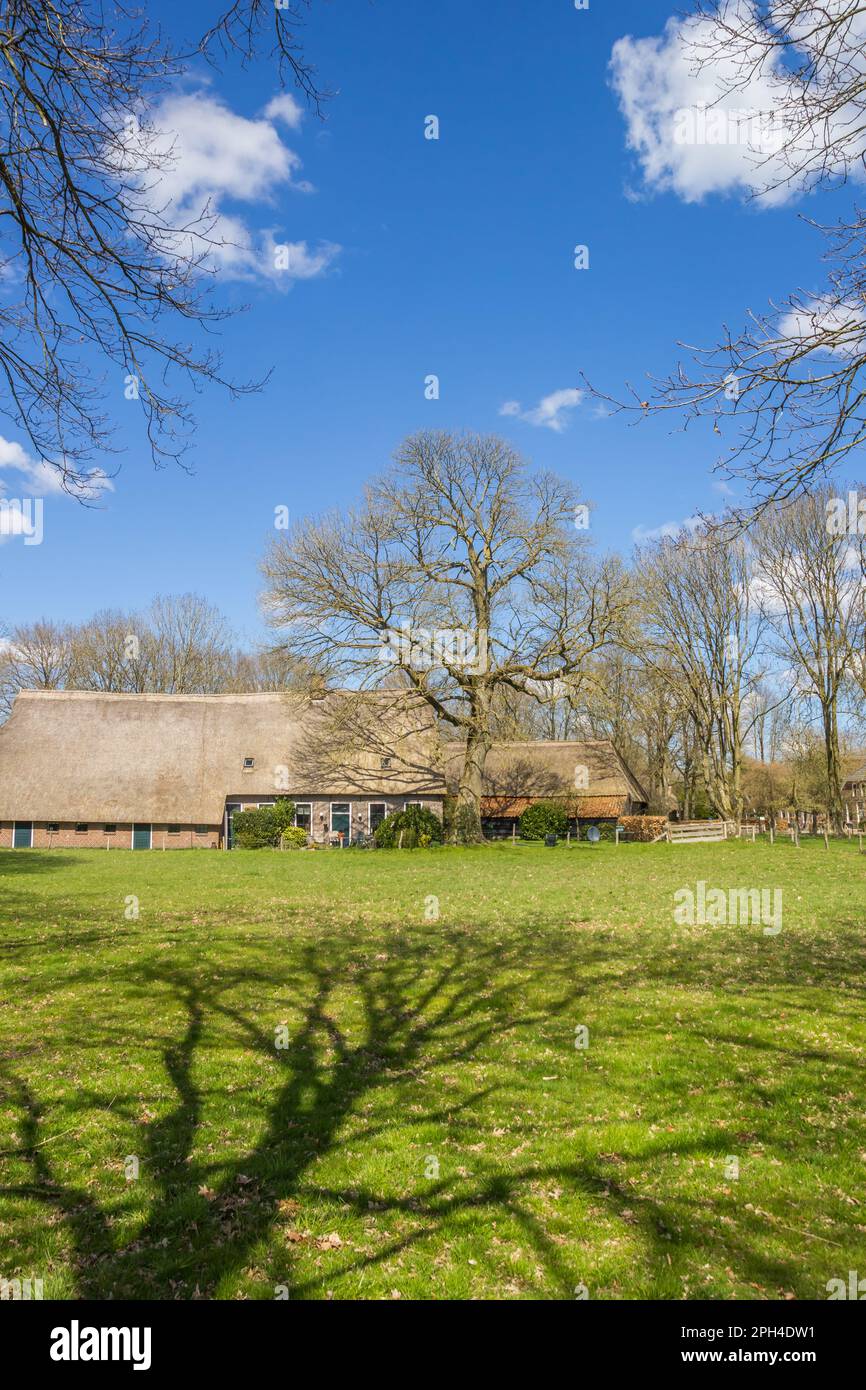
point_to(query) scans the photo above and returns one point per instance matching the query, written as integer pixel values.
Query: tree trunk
(834, 780)
(466, 824)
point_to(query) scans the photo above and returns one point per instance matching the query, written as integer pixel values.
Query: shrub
(254, 829)
(261, 828)
(543, 818)
(643, 828)
(294, 837)
(420, 828)
(284, 814)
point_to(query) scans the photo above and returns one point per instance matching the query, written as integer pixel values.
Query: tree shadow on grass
(428, 1005)
(363, 1025)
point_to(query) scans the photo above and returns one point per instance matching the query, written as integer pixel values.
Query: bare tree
(464, 574)
(703, 636)
(100, 265)
(187, 644)
(811, 590)
(36, 656)
(786, 391)
(107, 654)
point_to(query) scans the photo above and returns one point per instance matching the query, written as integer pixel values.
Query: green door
(141, 837)
(231, 807)
(22, 835)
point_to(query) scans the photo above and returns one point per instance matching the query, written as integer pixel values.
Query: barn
(85, 768)
(588, 778)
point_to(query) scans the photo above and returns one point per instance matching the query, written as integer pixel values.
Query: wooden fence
(688, 832)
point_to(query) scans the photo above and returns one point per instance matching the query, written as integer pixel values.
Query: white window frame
(331, 805)
(370, 805)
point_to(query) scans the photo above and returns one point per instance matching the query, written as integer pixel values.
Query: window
(265, 805)
(407, 804)
(385, 762)
(52, 827)
(304, 816)
(201, 830)
(174, 830)
(82, 828)
(377, 813)
(249, 763)
(110, 829)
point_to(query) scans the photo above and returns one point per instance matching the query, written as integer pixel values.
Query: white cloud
(697, 133)
(841, 325)
(669, 530)
(284, 108)
(12, 520)
(550, 413)
(208, 156)
(719, 485)
(33, 477)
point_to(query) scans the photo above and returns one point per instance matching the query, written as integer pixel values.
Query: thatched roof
(576, 770)
(855, 778)
(88, 756)
(582, 807)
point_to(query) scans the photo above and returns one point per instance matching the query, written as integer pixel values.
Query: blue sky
(452, 257)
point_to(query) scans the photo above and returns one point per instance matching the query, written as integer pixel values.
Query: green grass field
(430, 1129)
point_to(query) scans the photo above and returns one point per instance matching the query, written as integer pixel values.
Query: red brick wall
(67, 837)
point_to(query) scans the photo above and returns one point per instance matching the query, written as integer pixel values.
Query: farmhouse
(169, 771)
(589, 779)
(854, 795)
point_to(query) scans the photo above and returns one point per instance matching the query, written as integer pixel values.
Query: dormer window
(385, 762)
(249, 764)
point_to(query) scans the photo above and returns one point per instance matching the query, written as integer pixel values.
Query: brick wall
(95, 837)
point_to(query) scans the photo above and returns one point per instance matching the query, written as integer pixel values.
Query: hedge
(262, 828)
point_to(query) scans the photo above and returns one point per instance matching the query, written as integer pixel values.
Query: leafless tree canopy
(460, 538)
(810, 582)
(180, 645)
(97, 276)
(785, 391)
